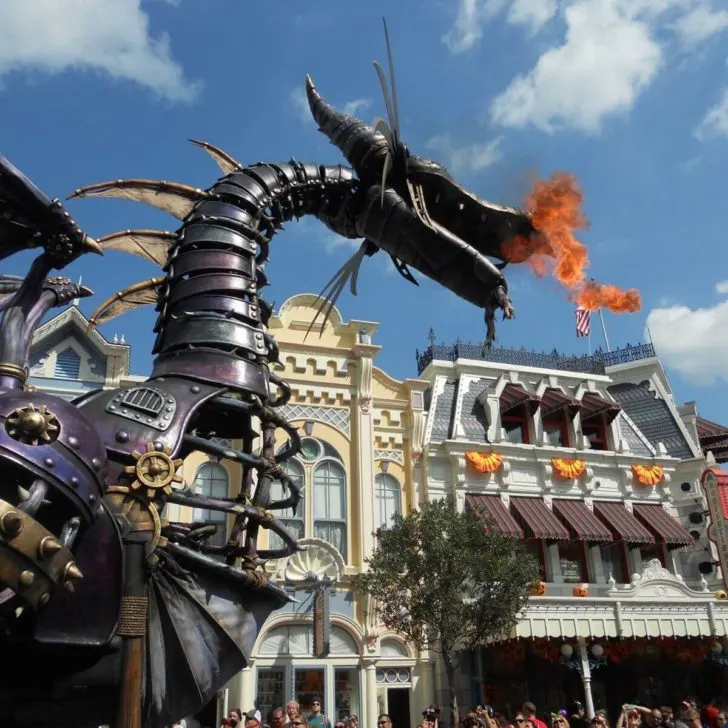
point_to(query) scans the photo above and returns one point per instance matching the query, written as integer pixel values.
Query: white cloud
(721, 288)
(354, 107)
(700, 24)
(111, 36)
(607, 58)
(466, 158)
(692, 341)
(715, 122)
(610, 52)
(467, 30)
(532, 14)
(299, 102)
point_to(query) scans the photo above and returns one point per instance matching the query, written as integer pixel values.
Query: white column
(553, 564)
(586, 678)
(425, 693)
(369, 719)
(365, 452)
(222, 705)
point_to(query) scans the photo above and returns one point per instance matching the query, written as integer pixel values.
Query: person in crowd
(278, 718)
(299, 721)
(529, 713)
(317, 719)
(253, 719)
(577, 715)
(293, 709)
(384, 721)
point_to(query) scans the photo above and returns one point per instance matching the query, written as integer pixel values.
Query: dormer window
(596, 413)
(556, 429)
(595, 431)
(517, 406)
(515, 425)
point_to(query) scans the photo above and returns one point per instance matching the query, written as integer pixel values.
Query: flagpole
(604, 330)
(589, 340)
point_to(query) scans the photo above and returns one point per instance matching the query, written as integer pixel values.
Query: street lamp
(594, 657)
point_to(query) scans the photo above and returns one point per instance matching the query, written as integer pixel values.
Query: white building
(598, 470)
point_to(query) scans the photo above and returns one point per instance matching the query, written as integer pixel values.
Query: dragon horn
(364, 147)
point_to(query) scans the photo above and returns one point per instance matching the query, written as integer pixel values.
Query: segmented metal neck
(212, 319)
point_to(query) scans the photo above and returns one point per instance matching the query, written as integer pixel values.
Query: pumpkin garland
(485, 462)
(568, 469)
(648, 474)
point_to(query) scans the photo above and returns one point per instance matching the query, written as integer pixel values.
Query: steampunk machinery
(110, 614)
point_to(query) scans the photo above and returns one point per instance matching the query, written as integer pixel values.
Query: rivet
(73, 441)
(26, 578)
(259, 336)
(44, 599)
(92, 498)
(170, 401)
(122, 436)
(49, 462)
(112, 406)
(195, 389)
(158, 446)
(137, 417)
(169, 409)
(96, 463)
(74, 482)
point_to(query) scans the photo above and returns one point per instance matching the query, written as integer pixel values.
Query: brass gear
(33, 425)
(154, 471)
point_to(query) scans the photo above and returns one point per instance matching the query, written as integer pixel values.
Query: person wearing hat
(252, 719)
(317, 719)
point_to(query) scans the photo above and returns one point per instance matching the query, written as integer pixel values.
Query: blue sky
(631, 96)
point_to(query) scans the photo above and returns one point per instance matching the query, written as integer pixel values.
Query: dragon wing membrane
(140, 294)
(152, 245)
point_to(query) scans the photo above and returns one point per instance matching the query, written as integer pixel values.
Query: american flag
(583, 322)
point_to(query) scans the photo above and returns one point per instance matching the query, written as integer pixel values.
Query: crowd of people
(688, 714)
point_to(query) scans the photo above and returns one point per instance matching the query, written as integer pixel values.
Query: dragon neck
(212, 323)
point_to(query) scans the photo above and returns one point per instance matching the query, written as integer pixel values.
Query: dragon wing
(140, 294)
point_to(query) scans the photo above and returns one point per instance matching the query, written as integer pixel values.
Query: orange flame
(555, 209)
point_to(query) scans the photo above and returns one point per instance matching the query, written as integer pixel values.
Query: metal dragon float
(108, 613)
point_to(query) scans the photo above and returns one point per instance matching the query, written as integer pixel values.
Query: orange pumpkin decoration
(568, 469)
(538, 589)
(485, 462)
(580, 590)
(648, 474)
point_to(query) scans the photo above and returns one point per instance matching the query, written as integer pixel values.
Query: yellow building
(363, 436)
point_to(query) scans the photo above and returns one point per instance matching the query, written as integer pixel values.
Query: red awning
(514, 395)
(540, 522)
(491, 507)
(593, 405)
(625, 526)
(583, 523)
(663, 525)
(554, 400)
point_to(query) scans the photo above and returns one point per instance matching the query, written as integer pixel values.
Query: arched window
(329, 504)
(212, 480)
(295, 524)
(68, 364)
(388, 497)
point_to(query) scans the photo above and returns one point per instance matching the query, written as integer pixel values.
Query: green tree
(447, 581)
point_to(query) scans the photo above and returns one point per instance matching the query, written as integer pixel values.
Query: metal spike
(26, 578)
(72, 571)
(11, 524)
(49, 547)
(92, 246)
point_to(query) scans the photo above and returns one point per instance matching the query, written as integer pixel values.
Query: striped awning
(540, 522)
(593, 405)
(624, 525)
(663, 525)
(582, 522)
(514, 395)
(492, 508)
(554, 400)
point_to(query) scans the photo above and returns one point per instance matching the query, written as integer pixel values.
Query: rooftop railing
(594, 363)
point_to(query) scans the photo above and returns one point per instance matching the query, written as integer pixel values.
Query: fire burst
(555, 209)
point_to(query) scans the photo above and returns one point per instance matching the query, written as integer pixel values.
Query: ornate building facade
(593, 465)
(362, 433)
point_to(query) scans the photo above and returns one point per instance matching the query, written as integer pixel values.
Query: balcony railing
(595, 363)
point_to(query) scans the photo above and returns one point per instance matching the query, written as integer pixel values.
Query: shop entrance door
(399, 707)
